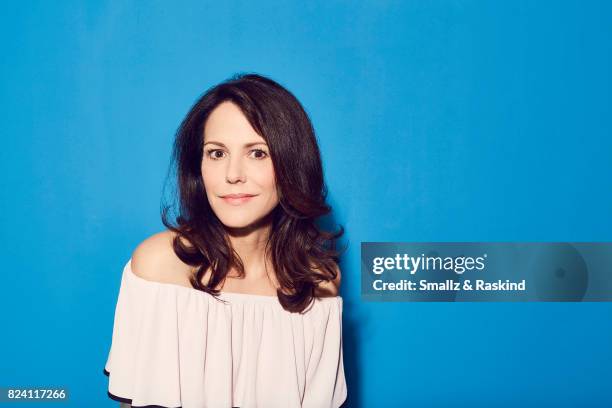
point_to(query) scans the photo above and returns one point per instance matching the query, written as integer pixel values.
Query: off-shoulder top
(175, 346)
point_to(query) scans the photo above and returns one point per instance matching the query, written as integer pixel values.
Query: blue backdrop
(437, 120)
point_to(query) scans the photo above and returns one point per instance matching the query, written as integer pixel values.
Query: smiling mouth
(237, 199)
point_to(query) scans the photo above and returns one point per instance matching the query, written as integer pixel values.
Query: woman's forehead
(227, 124)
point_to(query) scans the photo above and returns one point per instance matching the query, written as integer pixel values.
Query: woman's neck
(250, 244)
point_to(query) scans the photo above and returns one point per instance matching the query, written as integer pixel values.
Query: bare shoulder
(331, 287)
(154, 259)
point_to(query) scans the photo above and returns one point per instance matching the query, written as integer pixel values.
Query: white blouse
(175, 346)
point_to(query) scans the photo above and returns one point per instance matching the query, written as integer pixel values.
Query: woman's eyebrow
(245, 145)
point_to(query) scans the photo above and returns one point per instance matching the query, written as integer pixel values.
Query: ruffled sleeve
(326, 385)
(174, 346)
(144, 342)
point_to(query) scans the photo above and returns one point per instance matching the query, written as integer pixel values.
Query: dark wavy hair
(302, 253)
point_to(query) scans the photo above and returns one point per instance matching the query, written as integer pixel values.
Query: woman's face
(236, 161)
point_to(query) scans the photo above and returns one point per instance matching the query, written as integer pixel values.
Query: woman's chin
(234, 225)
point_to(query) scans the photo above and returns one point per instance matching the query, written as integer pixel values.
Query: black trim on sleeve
(129, 401)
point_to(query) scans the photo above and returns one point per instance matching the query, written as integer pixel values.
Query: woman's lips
(237, 199)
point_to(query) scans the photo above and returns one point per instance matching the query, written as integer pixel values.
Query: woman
(236, 304)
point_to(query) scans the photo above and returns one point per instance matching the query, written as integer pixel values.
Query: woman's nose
(235, 170)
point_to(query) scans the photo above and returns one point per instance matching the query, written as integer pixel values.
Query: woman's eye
(212, 153)
(260, 154)
(216, 154)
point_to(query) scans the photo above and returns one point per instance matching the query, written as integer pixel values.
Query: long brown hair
(301, 252)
